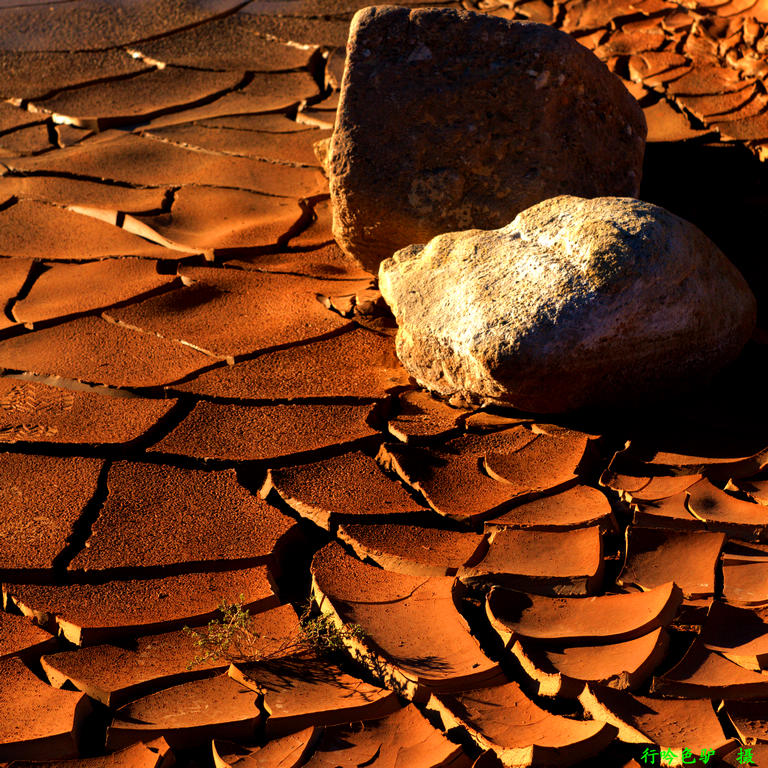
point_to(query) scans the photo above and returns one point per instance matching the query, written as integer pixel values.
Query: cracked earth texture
(200, 402)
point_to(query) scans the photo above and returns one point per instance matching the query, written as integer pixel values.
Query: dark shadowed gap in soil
(723, 190)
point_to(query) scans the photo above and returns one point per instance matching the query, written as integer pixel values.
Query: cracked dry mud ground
(200, 401)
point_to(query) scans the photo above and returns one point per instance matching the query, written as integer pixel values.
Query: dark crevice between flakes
(22, 127)
(9, 203)
(81, 530)
(276, 462)
(143, 571)
(316, 68)
(169, 199)
(245, 357)
(26, 102)
(71, 176)
(35, 271)
(53, 135)
(105, 123)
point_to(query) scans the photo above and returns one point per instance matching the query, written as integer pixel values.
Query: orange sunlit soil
(202, 409)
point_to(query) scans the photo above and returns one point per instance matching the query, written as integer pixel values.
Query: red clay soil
(154, 754)
(545, 464)
(750, 719)
(740, 634)
(670, 513)
(166, 215)
(67, 289)
(114, 674)
(230, 313)
(402, 738)
(658, 488)
(136, 99)
(723, 512)
(702, 673)
(256, 433)
(44, 497)
(745, 583)
(145, 521)
(289, 145)
(757, 490)
(61, 234)
(140, 161)
(81, 192)
(205, 219)
(38, 413)
(450, 479)
(20, 637)
(709, 453)
(420, 418)
(289, 751)
(92, 613)
(188, 715)
(13, 275)
(328, 262)
(355, 363)
(412, 626)
(347, 486)
(95, 351)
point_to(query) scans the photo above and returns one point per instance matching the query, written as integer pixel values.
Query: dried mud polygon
(179, 333)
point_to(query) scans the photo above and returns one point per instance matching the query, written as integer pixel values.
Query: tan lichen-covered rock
(451, 119)
(575, 303)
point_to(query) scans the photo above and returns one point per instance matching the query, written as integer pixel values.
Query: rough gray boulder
(452, 119)
(575, 303)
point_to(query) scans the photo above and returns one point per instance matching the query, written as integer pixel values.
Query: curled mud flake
(610, 618)
(546, 562)
(187, 715)
(306, 690)
(342, 488)
(505, 720)
(413, 549)
(39, 722)
(577, 507)
(417, 639)
(689, 558)
(289, 751)
(666, 723)
(702, 673)
(562, 670)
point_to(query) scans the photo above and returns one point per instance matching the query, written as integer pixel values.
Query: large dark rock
(450, 119)
(575, 303)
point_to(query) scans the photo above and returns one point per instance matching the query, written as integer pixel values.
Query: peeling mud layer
(201, 402)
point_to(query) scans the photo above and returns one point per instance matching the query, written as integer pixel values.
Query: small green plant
(234, 637)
